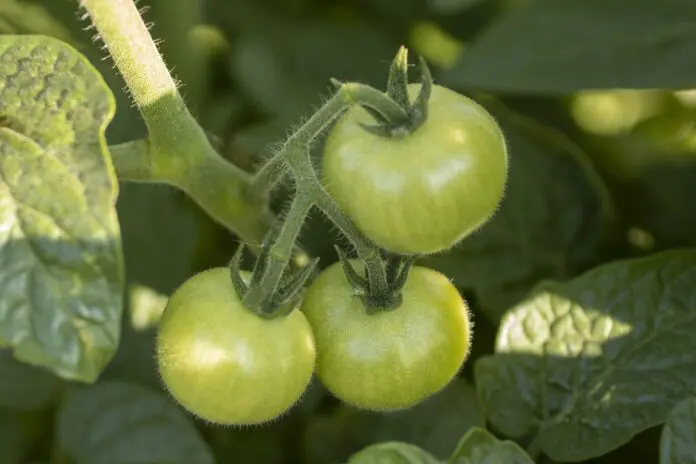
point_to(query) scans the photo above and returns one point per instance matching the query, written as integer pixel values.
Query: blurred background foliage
(602, 167)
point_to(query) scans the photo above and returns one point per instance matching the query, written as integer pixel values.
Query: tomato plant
(225, 364)
(542, 187)
(392, 359)
(423, 192)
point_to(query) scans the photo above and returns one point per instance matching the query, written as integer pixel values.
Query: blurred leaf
(595, 360)
(478, 446)
(12, 439)
(392, 453)
(23, 386)
(126, 423)
(145, 306)
(436, 425)
(286, 77)
(678, 442)
(551, 222)
(560, 46)
(21, 17)
(62, 269)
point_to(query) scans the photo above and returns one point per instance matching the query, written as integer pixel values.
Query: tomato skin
(224, 363)
(390, 360)
(425, 192)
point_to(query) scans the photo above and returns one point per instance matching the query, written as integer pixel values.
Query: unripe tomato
(224, 363)
(394, 359)
(422, 193)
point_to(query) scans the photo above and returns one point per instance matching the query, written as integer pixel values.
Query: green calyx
(273, 289)
(396, 267)
(416, 113)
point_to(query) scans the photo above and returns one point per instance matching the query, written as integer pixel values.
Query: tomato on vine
(423, 192)
(393, 359)
(226, 364)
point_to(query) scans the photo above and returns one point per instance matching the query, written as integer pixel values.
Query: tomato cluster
(417, 194)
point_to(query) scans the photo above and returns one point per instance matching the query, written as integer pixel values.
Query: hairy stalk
(280, 253)
(177, 151)
(294, 157)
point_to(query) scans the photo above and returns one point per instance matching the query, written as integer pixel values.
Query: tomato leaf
(561, 46)
(550, 224)
(678, 441)
(392, 452)
(597, 359)
(478, 446)
(436, 425)
(126, 423)
(23, 386)
(62, 275)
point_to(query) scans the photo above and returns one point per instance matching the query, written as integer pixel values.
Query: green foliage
(571, 360)
(62, 273)
(581, 286)
(117, 421)
(557, 47)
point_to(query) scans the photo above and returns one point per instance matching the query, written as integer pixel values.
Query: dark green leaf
(128, 424)
(551, 222)
(62, 273)
(25, 387)
(286, 77)
(595, 360)
(678, 443)
(435, 425)
(392, 453)
(478, 446)
(560, 46)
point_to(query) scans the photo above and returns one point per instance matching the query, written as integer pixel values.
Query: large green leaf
(436, 425)
(560, 46)
(478, 446)
(551, 222)
(61, 272)
(25, 387)
(678, 442)
(125, 423)
(589, 363)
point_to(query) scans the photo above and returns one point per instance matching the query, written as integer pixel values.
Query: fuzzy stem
(280, 252)
(177, 150)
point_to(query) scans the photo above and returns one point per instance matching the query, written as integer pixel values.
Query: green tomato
(394, 359)
(423, 193)
(226, 364)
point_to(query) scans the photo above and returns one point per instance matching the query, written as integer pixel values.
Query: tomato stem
(385, 275)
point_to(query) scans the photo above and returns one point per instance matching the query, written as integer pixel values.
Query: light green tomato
(224, 363)
(393, 359)
(423, 193)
